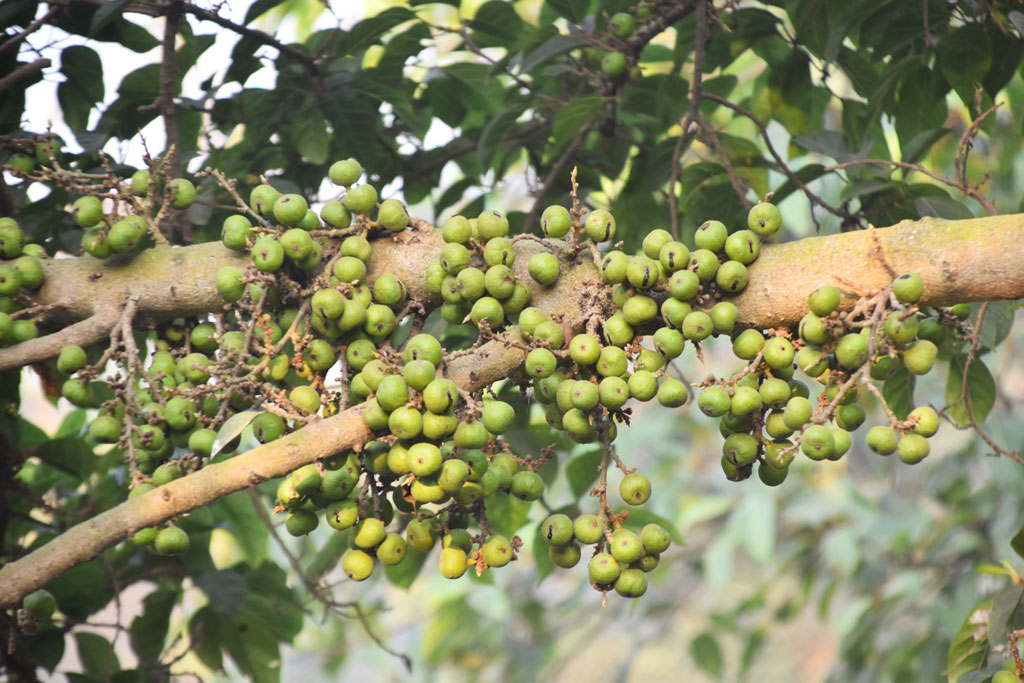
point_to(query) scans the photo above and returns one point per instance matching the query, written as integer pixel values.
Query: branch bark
(967, 260)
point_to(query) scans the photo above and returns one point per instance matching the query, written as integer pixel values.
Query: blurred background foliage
(861, 570)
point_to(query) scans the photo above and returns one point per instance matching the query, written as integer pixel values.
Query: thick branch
(966, 260)
(977, 259)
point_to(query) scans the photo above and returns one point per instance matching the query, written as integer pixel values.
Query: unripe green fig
(743, 246)
(527, 485)
(625, 546)
(565, 556)
(824, 300)
(335, 214)
(171, 541)
(71, 358)
(817, 442)
(913, 448)
(236, 233)
(543, 268)
(927, 421)
(882, 440)
(125, 235)
(40, 604)
(621, 25)
(87, 211)
(764, 219)
(683, 285)
(345, 173)
(393, 215)
(183, 193)
(555, 221)
(491, 224)
(267, 254)
(361, 199)
(732, 277)
(632, 583)
(301, 522)
(908, 287)
(613, 65)
(920, 357)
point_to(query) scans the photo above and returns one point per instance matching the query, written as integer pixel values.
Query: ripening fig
(635, 489)
(357, 564)
(496, 551)
(600, 224)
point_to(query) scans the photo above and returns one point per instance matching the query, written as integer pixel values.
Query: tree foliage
(846, 115)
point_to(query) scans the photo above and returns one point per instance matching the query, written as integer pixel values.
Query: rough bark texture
(979, 259)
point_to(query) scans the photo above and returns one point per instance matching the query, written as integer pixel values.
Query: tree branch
(25, 71)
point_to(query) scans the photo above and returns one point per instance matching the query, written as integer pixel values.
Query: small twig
(783, 167)
(23, 72)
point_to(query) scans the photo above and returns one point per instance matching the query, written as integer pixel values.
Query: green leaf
(1004, 605)
(402, 575)
(508, 514)
(540, 554)
(97, 655)
(997, 323)
(552, 47)
(309, 133)
(490, 141)
(898, 391)
(981, 390)
(72, 424)
(993, 570)
(105, 14)
(751, 649)
(237, 514)
(231, 428)
(942, 207)
(964, 55)
(573, 10)
(918, 146)
(497, 24)
(272, 602)
(83, 84)
(1018, 542)
(967, 649)
(259, 8)
(367, 31)
(149, 629)
(574, 117)
(705, 651)
(582, 472)
(45, 648)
